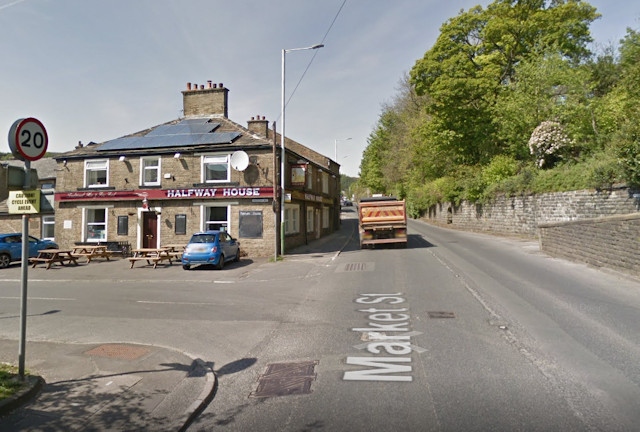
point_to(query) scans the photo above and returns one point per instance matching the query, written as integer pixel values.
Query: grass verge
(10, 382)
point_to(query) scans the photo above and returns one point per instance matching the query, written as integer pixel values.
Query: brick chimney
(259, 126)
(201, 100)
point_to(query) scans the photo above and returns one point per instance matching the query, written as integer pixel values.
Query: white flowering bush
(546, 143)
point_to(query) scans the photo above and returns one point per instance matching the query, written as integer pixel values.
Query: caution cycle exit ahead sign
(24, 202)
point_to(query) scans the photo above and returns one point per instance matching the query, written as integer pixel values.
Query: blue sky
(96, 70)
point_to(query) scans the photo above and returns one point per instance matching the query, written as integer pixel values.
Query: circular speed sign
(28, 139)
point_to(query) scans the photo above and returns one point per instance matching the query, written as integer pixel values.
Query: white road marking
(40, 298)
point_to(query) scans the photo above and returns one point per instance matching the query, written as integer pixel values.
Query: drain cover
(440, 314)
(356, 267)
(118, 351)
(284, 379)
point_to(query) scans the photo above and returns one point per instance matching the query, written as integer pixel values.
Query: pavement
(116, 386)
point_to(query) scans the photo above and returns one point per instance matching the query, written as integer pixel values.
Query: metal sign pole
(24, 277)
(28, 141)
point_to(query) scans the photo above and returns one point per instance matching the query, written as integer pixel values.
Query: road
(459, 331)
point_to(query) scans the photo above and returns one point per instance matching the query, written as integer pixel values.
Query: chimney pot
(188, 86)
(220, 85)
(215, 86)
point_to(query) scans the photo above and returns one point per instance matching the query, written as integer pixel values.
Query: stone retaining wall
(601, 228)
(611, 242)
(521, 215)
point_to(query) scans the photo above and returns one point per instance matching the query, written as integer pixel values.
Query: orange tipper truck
(382, 220)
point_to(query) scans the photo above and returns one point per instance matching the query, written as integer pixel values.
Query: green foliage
(603, 171)
(346, 184)
(628, 153)
(504, 91)
(476, 57)
(501, 168)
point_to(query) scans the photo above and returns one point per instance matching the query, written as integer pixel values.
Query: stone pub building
(203, 171)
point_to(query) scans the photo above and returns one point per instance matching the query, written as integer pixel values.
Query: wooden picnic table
(151, 255)
(50, 256)
(90, 252)
(175, 250)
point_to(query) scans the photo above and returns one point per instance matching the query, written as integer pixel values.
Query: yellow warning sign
(24, 202)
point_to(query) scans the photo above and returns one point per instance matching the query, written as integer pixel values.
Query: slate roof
(45, 167)
(156, 140)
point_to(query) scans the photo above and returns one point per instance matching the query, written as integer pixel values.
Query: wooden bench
(50, 256)
(91, 251)
(151, 255)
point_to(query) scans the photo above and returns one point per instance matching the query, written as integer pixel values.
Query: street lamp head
(316, 46)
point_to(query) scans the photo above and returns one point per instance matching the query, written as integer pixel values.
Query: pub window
(150, 171)
(310, 178)
(96, 173)
(181, 224)
(123, 225)
(291, 219)
(48, 225)
(96, 224)
(215, 169)
(325, 217)
(325, 183)
(217, 218)
(310, 219)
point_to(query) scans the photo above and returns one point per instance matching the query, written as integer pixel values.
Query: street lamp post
(336, 148)
(282, 132)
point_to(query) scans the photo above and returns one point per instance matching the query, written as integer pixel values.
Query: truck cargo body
(382, 220)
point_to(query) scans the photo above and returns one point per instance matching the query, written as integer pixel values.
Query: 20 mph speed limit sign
(28, 139)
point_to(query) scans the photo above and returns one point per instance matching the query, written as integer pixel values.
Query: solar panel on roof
(184, 133)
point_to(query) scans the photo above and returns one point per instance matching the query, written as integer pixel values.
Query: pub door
(149, 229)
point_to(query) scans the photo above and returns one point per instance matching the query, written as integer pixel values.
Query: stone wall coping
(631, 216)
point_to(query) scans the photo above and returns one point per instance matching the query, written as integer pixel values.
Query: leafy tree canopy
(510, 100)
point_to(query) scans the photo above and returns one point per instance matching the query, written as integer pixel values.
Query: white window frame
(291, 218)
(219, 159)
(96, 165)
(310, 219)
(86, 224)
(144, 168)
(325, 183)
(206, 222)
(310, 177)
(325, 217)
(47, 222)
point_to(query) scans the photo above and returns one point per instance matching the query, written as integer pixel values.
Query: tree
(476, 56)
(627, 137)
(545, 88)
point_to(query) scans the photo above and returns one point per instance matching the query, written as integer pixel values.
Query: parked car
(210, 247)
(11, 247)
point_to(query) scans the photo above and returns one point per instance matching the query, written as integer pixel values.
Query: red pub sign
(167, 194)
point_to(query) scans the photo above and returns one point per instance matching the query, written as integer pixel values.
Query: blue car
(11, 247)
(211, 247)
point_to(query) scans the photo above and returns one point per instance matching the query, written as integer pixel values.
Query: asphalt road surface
(459, 331)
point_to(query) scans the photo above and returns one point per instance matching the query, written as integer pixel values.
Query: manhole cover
(118, 351)
(440, 314)
(284, 379)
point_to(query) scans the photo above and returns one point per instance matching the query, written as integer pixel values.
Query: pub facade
(199, 172)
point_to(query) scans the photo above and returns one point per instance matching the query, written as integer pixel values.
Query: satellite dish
(239, 160)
